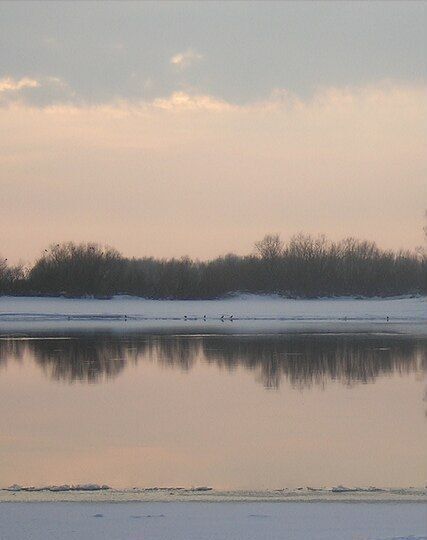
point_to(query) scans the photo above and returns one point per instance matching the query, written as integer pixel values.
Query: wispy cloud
(41, 91)
(185, 59)
(183, 101)
(9, 84)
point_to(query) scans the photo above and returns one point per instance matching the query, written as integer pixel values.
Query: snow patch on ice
(63, 487)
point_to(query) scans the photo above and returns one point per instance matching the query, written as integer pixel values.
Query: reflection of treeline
(69, 359)
(316, 360)
(305, 266)
(301, 360)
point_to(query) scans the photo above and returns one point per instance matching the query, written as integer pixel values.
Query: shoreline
(208, 495)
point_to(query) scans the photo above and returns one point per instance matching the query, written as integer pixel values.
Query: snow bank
(103, 493)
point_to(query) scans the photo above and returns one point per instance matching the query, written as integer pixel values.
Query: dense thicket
(305, 266)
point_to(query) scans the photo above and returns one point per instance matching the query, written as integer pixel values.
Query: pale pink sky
(193, 174)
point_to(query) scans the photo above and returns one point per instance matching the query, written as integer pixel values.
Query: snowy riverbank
(243, 313)
(104, 494)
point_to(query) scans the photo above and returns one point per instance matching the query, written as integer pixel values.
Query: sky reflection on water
(193, 410)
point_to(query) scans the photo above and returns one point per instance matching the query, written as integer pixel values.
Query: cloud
(183, 101)
(185, 59)
(9, 84)
(38, 92)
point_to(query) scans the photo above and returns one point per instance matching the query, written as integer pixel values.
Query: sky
(191, 128)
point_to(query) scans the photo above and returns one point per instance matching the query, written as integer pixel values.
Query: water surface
(228, 411)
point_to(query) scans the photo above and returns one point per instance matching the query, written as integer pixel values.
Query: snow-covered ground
(104, 494)
(235, 314)
(207, 521)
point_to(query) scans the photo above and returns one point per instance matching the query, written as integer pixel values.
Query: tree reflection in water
(302, 360)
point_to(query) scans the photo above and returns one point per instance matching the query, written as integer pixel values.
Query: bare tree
(270, 247)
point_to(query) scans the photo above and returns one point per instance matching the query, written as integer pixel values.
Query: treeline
(304, 267)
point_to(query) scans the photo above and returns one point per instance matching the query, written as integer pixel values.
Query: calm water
(224, 411)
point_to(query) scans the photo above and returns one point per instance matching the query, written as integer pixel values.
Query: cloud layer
(103, 51)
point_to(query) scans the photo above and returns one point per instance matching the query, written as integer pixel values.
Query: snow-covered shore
(204, 521)
(104, 494)
(243, 313)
